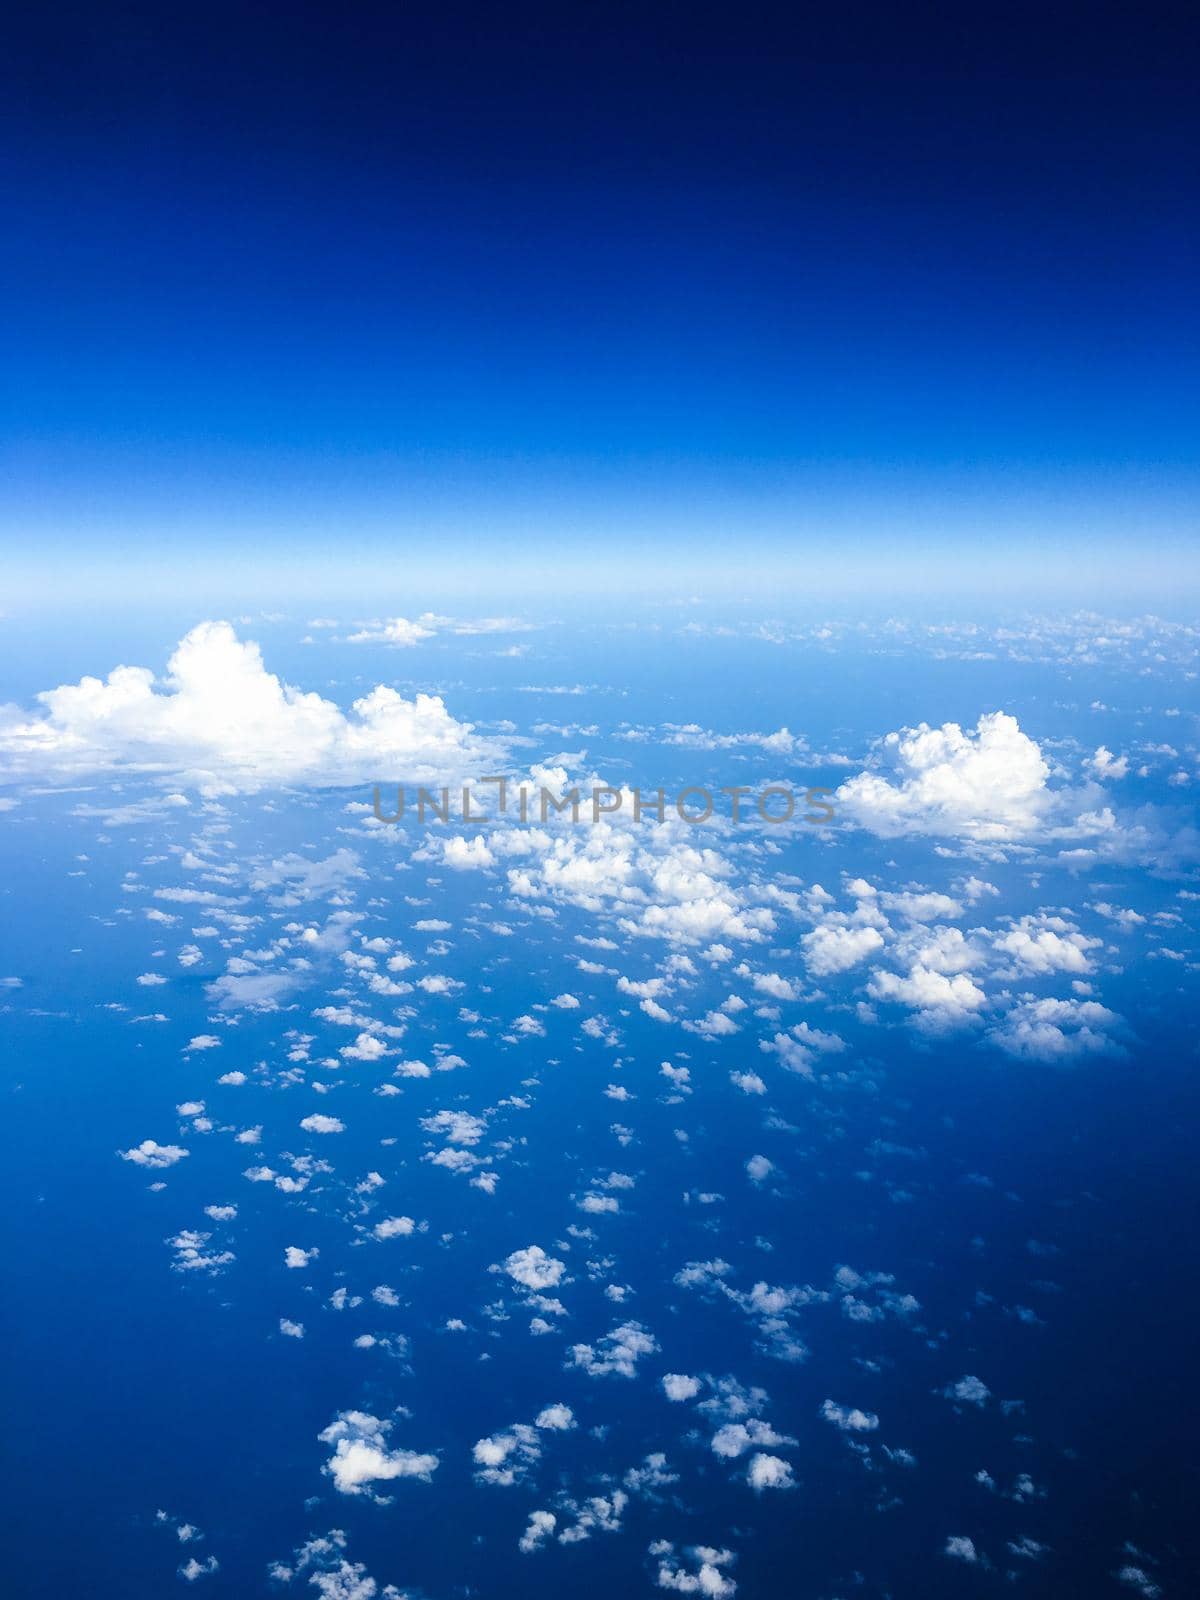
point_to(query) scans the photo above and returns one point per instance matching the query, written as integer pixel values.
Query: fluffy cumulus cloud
(654, 881)
(938, 1003)
(152, 1154)
(506, 1458)
(329, 1572)
(769, 1472)
(618, 1352)
(1060, 1030)
(702, 1571)
(541, 1527)
(362, 1456)
(1043, 944)
(679, 1386)
(988, 783)
(830, 948)
(849, 1419)
(221, 721)
(398, 631)
(533, 1269)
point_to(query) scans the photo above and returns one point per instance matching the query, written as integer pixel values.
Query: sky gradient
(901, 302)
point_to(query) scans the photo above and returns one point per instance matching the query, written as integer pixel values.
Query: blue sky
(921, 293)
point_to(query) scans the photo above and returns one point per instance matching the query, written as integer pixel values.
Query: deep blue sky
(918, 284)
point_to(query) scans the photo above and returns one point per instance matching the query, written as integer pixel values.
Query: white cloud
(617, 1352)
(318, 1122)
(223, 722)
(397, 631)
(505, 1458)
(733, 1439)
(555, 1417)
(759, 1169)
(152, 1154)
(394, 1228)
(678, 1386)
(708, 1577)
(541, 1527)
(972, 1390)
(1105, 765)
(988, 783)
(1042, 944)
(1059, 1030)
(939, 1002)
(193, 1569)
(849, 1418)
(769, 1472)
(1138, 1579)
(361, 1455)
(533, 1268)
(192, 1254)
(465, 855)
(830, 948)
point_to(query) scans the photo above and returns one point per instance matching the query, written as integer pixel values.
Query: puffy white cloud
(466, 855)
(318, 1122)
(777, 987)
(939, 1002)
(152, 1154)
(394, 1228)
(654, 879)
(193, 1569)
(799, 1047)
(223, 722)
(330, 1574)
(988, 783)
(924, 907)
(769, 1472)
(505, 1458)
(599, 1514)
(557, 1418)
(706, 1576)
(678, 1386)
(972, 1390)
(831, 948)
(1059, 1030)
(759, 1169)
(193, 1255)
(959, 1548)
(456, 1127)
(849, 1418)
(397, 631)
(533, 1269)
(617, 1352)
(1042, 944)
(1106, 765)
(362, 1457)
(733, 1439)
(541, 1527)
